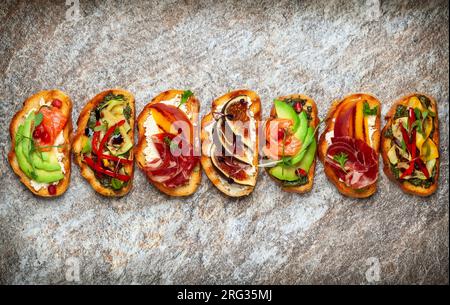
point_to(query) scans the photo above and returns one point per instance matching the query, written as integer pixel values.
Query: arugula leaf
(341, 158)
(388, 133)
(127, 112)
(185, 96)
(400, 111)
(38, 119)
(369, 111)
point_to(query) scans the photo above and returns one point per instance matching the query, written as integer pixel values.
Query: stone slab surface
(325, 49)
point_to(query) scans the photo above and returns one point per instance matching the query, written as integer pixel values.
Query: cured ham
(176, 162)
(361, 167)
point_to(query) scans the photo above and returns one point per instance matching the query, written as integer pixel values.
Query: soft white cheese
(59, 139)
(43, 103)
(37, 185)
(151, 128)
(59, 156)
(328, 137)
(175, 101)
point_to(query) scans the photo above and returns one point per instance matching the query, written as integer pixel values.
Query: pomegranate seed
(298, 107)
(280, 134)
(51, 189)
(56, 103)
(45, 137)
(37, 133)
(300, 172)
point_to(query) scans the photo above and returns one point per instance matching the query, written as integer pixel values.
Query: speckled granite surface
(325, 49)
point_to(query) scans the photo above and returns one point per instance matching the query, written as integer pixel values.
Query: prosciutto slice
(361, 168)
(173, 169)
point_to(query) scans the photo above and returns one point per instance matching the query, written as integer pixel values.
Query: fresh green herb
(369, 111)
(127, 112)
(170, 143)
(418, 125)
(38, 119)
(388, 133)
(341, 158)
(185, 96)
(395, 171)
(417, 113)
(400, 112)
(116, 132)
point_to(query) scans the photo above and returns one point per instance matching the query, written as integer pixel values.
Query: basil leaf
(369, 111)
(185, 96)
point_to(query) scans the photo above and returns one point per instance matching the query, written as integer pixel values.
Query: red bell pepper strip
(107, 172)
(423, 168)
(411, 144)
(108, 134)
(95, 139)
(105, 139)
(117, 159)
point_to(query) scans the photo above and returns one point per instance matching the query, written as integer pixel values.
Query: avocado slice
(283, 172)
(306, 162)
(285, 111)
(43, 176)
(111, 119)
(302, 128)
(308, 140)
(26, 133)
(24, 165)
(51, 165)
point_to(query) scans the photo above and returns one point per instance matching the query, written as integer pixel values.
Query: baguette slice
(323, 146)
(315, 119)
(193, 107)
(230, 189)
(28, 105)
(406, 186)
(77, 145)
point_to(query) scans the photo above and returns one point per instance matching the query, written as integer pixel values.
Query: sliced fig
(233, 145)
(236, 114)
(232, 168)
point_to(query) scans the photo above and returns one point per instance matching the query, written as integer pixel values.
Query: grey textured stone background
(325, 49)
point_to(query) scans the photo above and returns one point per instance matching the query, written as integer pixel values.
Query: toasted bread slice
(33, 103)
(192, 107)
(230, 189)
(323, 145)
(315, 121)
(77, 145)
(385, 146)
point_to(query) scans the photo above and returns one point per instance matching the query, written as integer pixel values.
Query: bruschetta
(290, 144)
(349, 146)
(103, 143)
(229, 137)
(40, 143)
(168, 147)
(410, 144)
